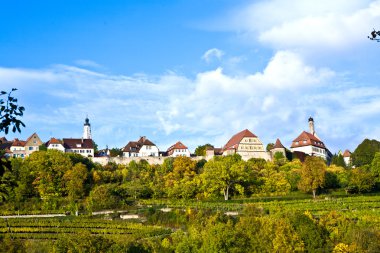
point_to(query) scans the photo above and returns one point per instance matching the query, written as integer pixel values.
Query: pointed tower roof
(347, 153)
(278, 144)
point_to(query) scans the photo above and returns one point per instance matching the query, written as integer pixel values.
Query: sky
(195, 71)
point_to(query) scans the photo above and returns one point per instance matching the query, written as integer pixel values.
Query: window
(30, 148)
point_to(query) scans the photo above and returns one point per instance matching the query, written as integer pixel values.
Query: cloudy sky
(197, 71)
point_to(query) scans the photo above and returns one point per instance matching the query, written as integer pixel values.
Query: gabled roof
(33, 136)
(54, 141)
(144, 141)
(347, 153)
(78, 143)
(17, 143)
(307, 139)
(135, 146)
(3, 140)
(132, 146)
(236, 139)
(278, 144)
(178, 145)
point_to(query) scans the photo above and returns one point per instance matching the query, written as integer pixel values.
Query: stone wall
(127, 160)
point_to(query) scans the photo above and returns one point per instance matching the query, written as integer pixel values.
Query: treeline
(52, 180)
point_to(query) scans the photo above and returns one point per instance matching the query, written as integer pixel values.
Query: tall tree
(338, 160)
(225, 173)
(312, 174)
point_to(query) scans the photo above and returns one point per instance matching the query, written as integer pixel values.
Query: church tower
(311, 126)
(87, 129)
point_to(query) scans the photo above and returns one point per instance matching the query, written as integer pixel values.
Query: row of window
(250, 140)
(319, 150)
(314, 142)
(250, 147)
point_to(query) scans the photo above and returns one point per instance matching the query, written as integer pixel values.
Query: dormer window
(79, 145)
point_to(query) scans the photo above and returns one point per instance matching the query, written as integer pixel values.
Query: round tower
(87, 129)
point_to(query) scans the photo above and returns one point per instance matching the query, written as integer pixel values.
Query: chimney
(311, 126)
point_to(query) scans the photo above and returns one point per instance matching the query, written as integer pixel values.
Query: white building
(18, 148)
(56, 144)
(310, 144)
(347, 157)
(178, 149)
(85, 147)
(141, 148)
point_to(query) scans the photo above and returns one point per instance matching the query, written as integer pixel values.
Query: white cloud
(308, 24)
(212, 54)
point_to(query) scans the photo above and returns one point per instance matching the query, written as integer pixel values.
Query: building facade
(310, 144)
(178, 149)
(247, 145)
(141, 148)
(84, 147)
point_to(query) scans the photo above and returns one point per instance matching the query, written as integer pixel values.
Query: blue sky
(194, 71)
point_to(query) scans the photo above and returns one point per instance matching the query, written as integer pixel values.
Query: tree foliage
(201, 150)
(365, 152)
(10, 113)
(312, 174)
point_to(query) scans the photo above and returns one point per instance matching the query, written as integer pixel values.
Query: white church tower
(87, 129)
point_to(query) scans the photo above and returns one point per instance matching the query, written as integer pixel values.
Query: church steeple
(311, 126)
(87, 129)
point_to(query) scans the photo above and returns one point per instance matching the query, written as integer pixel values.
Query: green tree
(269, 146)
(114, 152)
(223, 174)
(365, 152)
(338, 160)
(10, 112)
(201, 150)
(375, 167)
(74, 181)
(181, 182)
(361, 179)
(49, 168)
(312, 174)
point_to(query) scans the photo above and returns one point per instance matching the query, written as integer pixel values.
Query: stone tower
(311, 126)
(87, 129)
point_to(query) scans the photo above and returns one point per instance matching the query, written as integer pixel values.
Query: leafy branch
(10, 112)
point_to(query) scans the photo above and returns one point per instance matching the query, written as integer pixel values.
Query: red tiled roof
(54, 141)
(347, 153)
(236, 139)
(178, 145)
(307, 139)
(278, 144)
(73, 143)
(18, 143)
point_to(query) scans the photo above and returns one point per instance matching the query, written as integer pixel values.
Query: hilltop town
(245, 143)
